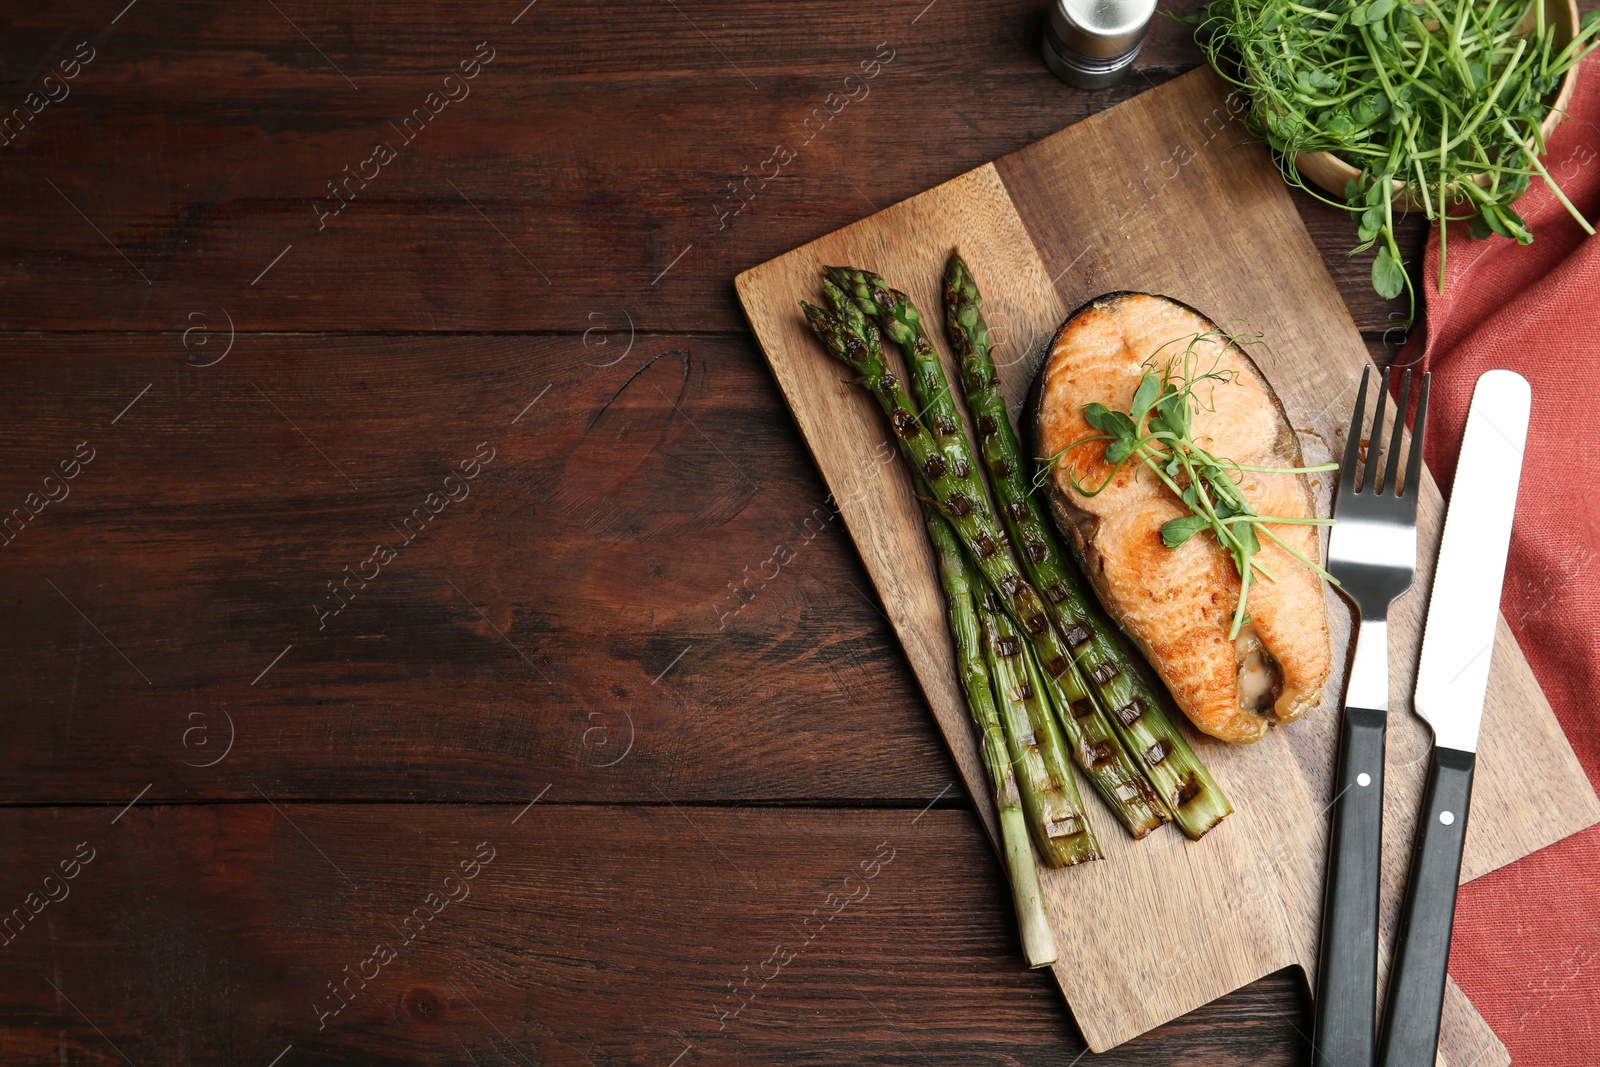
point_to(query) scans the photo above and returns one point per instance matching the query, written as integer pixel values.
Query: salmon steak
(1178, 604)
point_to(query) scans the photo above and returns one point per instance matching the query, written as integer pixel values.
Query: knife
(1452, 677)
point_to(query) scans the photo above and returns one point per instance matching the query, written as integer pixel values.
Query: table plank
(588, 166)
(648, 566)
(594, 935)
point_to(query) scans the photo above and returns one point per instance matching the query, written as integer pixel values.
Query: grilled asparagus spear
(1116, 681)
(1029, 798)
(852, 338)
(1096, 746)
(1016, 724)
(1020, 692)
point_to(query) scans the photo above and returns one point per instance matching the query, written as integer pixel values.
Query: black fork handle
(1347, 971)
(1416, 981)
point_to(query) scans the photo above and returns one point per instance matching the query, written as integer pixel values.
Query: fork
(1372, 551)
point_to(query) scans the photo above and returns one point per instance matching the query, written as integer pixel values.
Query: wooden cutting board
(1164, 193)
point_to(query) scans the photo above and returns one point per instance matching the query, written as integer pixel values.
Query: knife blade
(1452, 680)
(1453, 673)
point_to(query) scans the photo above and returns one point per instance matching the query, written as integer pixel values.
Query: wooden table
(416, 646)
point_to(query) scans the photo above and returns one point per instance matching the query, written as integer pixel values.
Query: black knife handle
(1347, 974)
(1416, 981)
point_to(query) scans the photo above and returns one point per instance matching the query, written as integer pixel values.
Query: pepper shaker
(1092, 43)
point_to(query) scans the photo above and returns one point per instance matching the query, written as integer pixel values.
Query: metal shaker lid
(1103, 29)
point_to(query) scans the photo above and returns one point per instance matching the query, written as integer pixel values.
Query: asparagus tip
(956, 267)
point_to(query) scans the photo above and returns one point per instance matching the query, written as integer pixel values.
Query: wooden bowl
(1332, 173)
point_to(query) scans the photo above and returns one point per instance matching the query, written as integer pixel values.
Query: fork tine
(1392, 467)
(1369, 482)
(1352, 444)
(1419, 428)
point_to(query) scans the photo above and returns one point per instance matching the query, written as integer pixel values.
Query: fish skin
(1177, 604)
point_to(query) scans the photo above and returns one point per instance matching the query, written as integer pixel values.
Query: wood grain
(558, 952)
(571, 179)
(1044, 230)
(630, 516)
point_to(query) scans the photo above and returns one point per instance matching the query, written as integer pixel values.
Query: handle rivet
(1363, 779)
(1447, 817)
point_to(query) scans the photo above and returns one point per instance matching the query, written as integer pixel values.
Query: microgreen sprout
(1438, 103)
(1157, 432)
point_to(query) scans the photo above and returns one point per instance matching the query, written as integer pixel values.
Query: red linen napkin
(1527, 937)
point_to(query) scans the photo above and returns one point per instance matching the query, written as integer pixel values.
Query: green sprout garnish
(1157, 431)
(1439, 103)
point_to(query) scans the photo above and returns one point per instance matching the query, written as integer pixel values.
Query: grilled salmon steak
(1177, 604)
